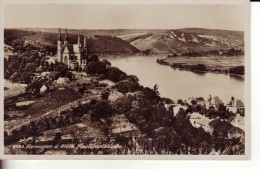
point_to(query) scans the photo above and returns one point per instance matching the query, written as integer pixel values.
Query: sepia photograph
(165, 79)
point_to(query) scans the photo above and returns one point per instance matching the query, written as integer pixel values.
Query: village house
(236, 106)
(61, 81)
(200, 101)
(43, 89)
(178, 107)
(45, 74)
(214, 102)
(68, 138)
(51, 60)
(197, 120)
(189, 101)
(44, 140)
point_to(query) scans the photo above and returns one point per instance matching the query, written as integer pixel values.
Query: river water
(180, 84)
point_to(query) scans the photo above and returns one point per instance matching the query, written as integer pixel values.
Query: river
(180, 84)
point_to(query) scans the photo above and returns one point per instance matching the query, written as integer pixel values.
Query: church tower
(79, 56)
(59, 46)
(85, 51)
(66, 38)
(85, 44)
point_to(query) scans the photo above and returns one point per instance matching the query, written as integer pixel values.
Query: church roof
(239, 103)
(69, 49)
(217, 101)
(200, 99)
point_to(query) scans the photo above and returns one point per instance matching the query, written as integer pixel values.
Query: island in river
(232, 65)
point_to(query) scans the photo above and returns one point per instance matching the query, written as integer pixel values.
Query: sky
(124, 16)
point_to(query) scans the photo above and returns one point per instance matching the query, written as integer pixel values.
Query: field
(211, 62)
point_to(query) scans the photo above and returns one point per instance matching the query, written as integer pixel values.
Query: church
(73, 55)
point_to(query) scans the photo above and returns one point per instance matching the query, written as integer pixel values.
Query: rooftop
(216, 100)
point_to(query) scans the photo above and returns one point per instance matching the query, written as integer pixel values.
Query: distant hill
(42, 38)
(131, 41)
(186, 40)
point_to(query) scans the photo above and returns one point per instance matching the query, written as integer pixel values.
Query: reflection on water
(200, 73)
(240, 78)
(180, 84)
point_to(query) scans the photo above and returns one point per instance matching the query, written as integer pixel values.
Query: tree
(240, 70)
(15, 77)
(115, 74)
(30, 67)
(58, 136)
(47, 123)
(69, 75)
(93, 58)
(126, 86)
(107, 63)
(155, 89)
(35, 86)
(34, 55)
(150, 94)
(193, 102)
(133, 78)
(105, 95)
(102, 109)
(62, 69)
(46, 65)
(180, 102)
(123, 104)
(96, 68)
(26, 77)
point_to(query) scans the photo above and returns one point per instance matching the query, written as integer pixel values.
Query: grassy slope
(187, 39)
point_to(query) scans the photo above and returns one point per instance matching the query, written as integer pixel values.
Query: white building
(236, 106)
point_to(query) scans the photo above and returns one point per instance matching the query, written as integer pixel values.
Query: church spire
(59, 35)
(66, 35)
(78, 39)
(85, 42)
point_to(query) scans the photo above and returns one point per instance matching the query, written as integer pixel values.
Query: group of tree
(239, 70)
(20, 67)
(224, 52)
